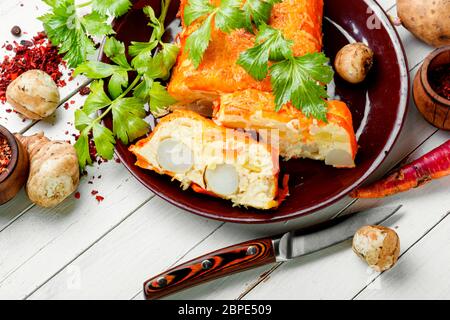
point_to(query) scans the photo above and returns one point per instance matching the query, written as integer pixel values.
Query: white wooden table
(85, 250)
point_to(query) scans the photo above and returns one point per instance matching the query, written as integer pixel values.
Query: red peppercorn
(16, 31)
(85, 91)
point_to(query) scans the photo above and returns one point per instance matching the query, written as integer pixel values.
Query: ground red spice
(38, 53)
(77, 195)
(440, 80)
(99, 198)
(5, 154)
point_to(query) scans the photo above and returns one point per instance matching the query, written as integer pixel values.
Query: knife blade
(256, 253)
(295, 244)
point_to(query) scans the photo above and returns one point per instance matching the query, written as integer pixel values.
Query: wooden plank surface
(84, 249)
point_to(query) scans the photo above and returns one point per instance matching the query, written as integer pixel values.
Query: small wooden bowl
(14, 178)
(435, 108)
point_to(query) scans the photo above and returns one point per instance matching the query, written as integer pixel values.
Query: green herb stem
(164, 10)
(123, 95)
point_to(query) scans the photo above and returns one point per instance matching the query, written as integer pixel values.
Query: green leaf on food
(96, 24)
(115, 8)
(230, 16)
(160, 99)
(270, 45)
(198, 41)
(300, 80)
(128, 119)
(104, 141)
(196, 9)
(257, 12)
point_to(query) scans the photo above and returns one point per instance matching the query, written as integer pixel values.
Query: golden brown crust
(300, 21)
(246, 104)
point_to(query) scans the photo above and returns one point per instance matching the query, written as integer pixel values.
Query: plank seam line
(391, 8)
(340, 213)
(88, 247)
(17, 217)
(404, 253)
(261, 278)
(187, 252)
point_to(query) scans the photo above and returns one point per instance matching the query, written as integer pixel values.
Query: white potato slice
(339, 158)
(175, 156)
(222, 179)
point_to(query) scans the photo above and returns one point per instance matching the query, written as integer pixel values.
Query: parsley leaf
(82, 148)
(72, 33)
(97, 99)
(298, 79)
(64, 28)
(115, 8)
(115, 50)
(198, 41)
(229, 16)
(96, 69)
(257, 11)
(143, 89)
(96, 24)
(160, 99)
(128, 122)
(104, 141)
(270, 45)
(82, 120)
(118, 81)
(196, 9)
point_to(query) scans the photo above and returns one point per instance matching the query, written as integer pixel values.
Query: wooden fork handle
(212, 266)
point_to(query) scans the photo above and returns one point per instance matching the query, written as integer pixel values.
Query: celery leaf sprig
(73, 33)
(112, 93)
(299, 80)
(229, 15)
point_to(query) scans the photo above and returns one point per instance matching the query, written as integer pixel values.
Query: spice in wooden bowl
(5, 154)
(14, 165)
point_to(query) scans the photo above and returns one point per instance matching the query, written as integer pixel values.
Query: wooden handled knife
(256, 253)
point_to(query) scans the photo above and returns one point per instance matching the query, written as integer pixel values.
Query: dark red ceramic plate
(379, 106)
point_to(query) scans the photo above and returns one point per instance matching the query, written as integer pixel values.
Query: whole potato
(33, 94)
(353, 62)
(428, 20)
(378, 246)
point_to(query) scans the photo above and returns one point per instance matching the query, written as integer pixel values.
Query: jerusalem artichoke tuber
(54, 170)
